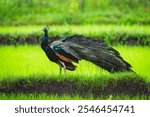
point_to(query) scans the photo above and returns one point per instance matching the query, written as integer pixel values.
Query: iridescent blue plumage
(76, 47)
(45, 37)
(56, 48)
(48, 51)
(51, 53)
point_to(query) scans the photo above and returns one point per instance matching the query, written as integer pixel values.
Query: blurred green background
(39, 12)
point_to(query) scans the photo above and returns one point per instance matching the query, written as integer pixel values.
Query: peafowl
(77, 47)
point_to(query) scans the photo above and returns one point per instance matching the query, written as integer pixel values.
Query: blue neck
(45, 38)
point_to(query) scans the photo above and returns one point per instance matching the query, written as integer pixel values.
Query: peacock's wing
(61, 50)
(82, 47)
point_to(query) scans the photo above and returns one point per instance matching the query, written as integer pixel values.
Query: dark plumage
(74, 48)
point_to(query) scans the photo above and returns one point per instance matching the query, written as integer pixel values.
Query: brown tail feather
(70, 66)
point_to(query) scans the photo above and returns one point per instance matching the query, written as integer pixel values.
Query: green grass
(101, 30)
(38, 97)
(95, 87)
(26, 68)
(91, 30)
(67, 97)
(111, 34)
(73, 12)
(28, 60)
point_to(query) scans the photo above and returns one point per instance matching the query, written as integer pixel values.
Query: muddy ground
(131, 87)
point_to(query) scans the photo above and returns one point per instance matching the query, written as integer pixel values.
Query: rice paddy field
(26, 72)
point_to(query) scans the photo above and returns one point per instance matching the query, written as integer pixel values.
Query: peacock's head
(45, 30)
(45, 37)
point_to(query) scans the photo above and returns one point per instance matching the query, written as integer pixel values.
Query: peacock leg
(60, 69)
(65, 70)
(64, 67)
(62, 63)
(60, 66)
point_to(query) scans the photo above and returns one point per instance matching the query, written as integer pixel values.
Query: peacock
(73, 48)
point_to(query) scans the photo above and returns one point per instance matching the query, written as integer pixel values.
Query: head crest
(46, 28)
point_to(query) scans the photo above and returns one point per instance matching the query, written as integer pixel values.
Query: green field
(26, 70)
(110, 34)
(35, 12)
(22, 96)
(28, 60)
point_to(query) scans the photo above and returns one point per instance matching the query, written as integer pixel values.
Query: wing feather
(94, 51)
